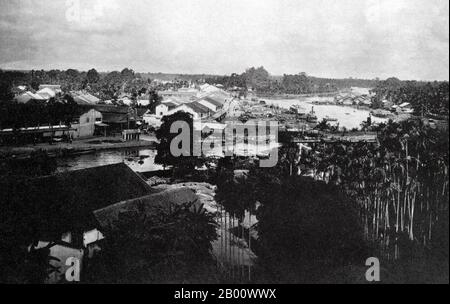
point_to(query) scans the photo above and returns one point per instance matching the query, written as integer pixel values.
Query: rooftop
(52, 205)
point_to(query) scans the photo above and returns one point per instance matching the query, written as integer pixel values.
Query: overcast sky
(408, 39)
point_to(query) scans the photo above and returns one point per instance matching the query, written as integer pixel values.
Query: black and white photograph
(246, 143)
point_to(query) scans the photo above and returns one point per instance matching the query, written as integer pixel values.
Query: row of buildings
(209, 102)
(96, 117)
(45, 93)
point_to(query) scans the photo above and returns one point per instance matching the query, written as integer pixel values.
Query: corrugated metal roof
(198, 108)
(212, 101)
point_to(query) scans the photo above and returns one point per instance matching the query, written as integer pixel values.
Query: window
(88, 120)
(67, 237)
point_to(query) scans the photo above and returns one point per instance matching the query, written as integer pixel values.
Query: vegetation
(262, 82)
(18, 265)
(400, 185)
(392, 195)
(425, 97)
(304, 226)
(38, 113)
(170, 245)
(184, 164)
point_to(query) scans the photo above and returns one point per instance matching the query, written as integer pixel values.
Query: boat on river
(311, 117)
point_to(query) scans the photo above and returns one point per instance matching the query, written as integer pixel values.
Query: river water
(139, 160)
(348, 117)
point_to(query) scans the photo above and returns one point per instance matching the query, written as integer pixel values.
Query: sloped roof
(46, 92)
(54, 87)
(111, 109)
(169, 104)
(166, 199)
(212, 101)
(85, 98)
(64, 202)
(114, 118)
(27, 96)
(198, 108)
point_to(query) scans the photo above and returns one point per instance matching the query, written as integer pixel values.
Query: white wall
(209, 105)
(86, 124)
(161, 110)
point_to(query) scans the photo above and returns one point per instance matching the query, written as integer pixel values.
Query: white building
(211, 103)
(197, 110)
(84, 125)
(164, 108)
(46, 93)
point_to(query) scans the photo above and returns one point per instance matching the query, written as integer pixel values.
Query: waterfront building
(118, 118)
(84, 125)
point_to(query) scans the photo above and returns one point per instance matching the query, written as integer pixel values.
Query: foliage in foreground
(166, 245)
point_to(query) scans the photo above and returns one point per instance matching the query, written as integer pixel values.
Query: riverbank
(77, 147)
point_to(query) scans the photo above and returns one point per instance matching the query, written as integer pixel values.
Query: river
(142, 160)
(348, 117)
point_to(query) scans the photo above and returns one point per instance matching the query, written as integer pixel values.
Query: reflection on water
(348, 117)
(138, 160)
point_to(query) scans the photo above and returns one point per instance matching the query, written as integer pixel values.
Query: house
(55, 88)
(29, 96)
(185, 93)
(347, 101)
(126, 101)
(60, 210)
(108, 216)
(85, 123)
(164, 108)
(197, 110)
(207, 89)
(34, 134)
(46, 93)
(211, 103)
(405, 108)
(143, 100)
(363, 100)
(117, 118)
(84, 98)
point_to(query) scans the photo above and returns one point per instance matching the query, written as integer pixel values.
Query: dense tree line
(425, 97)
(262, 82)
(106, 86)
(389, 199)
(34, 113)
